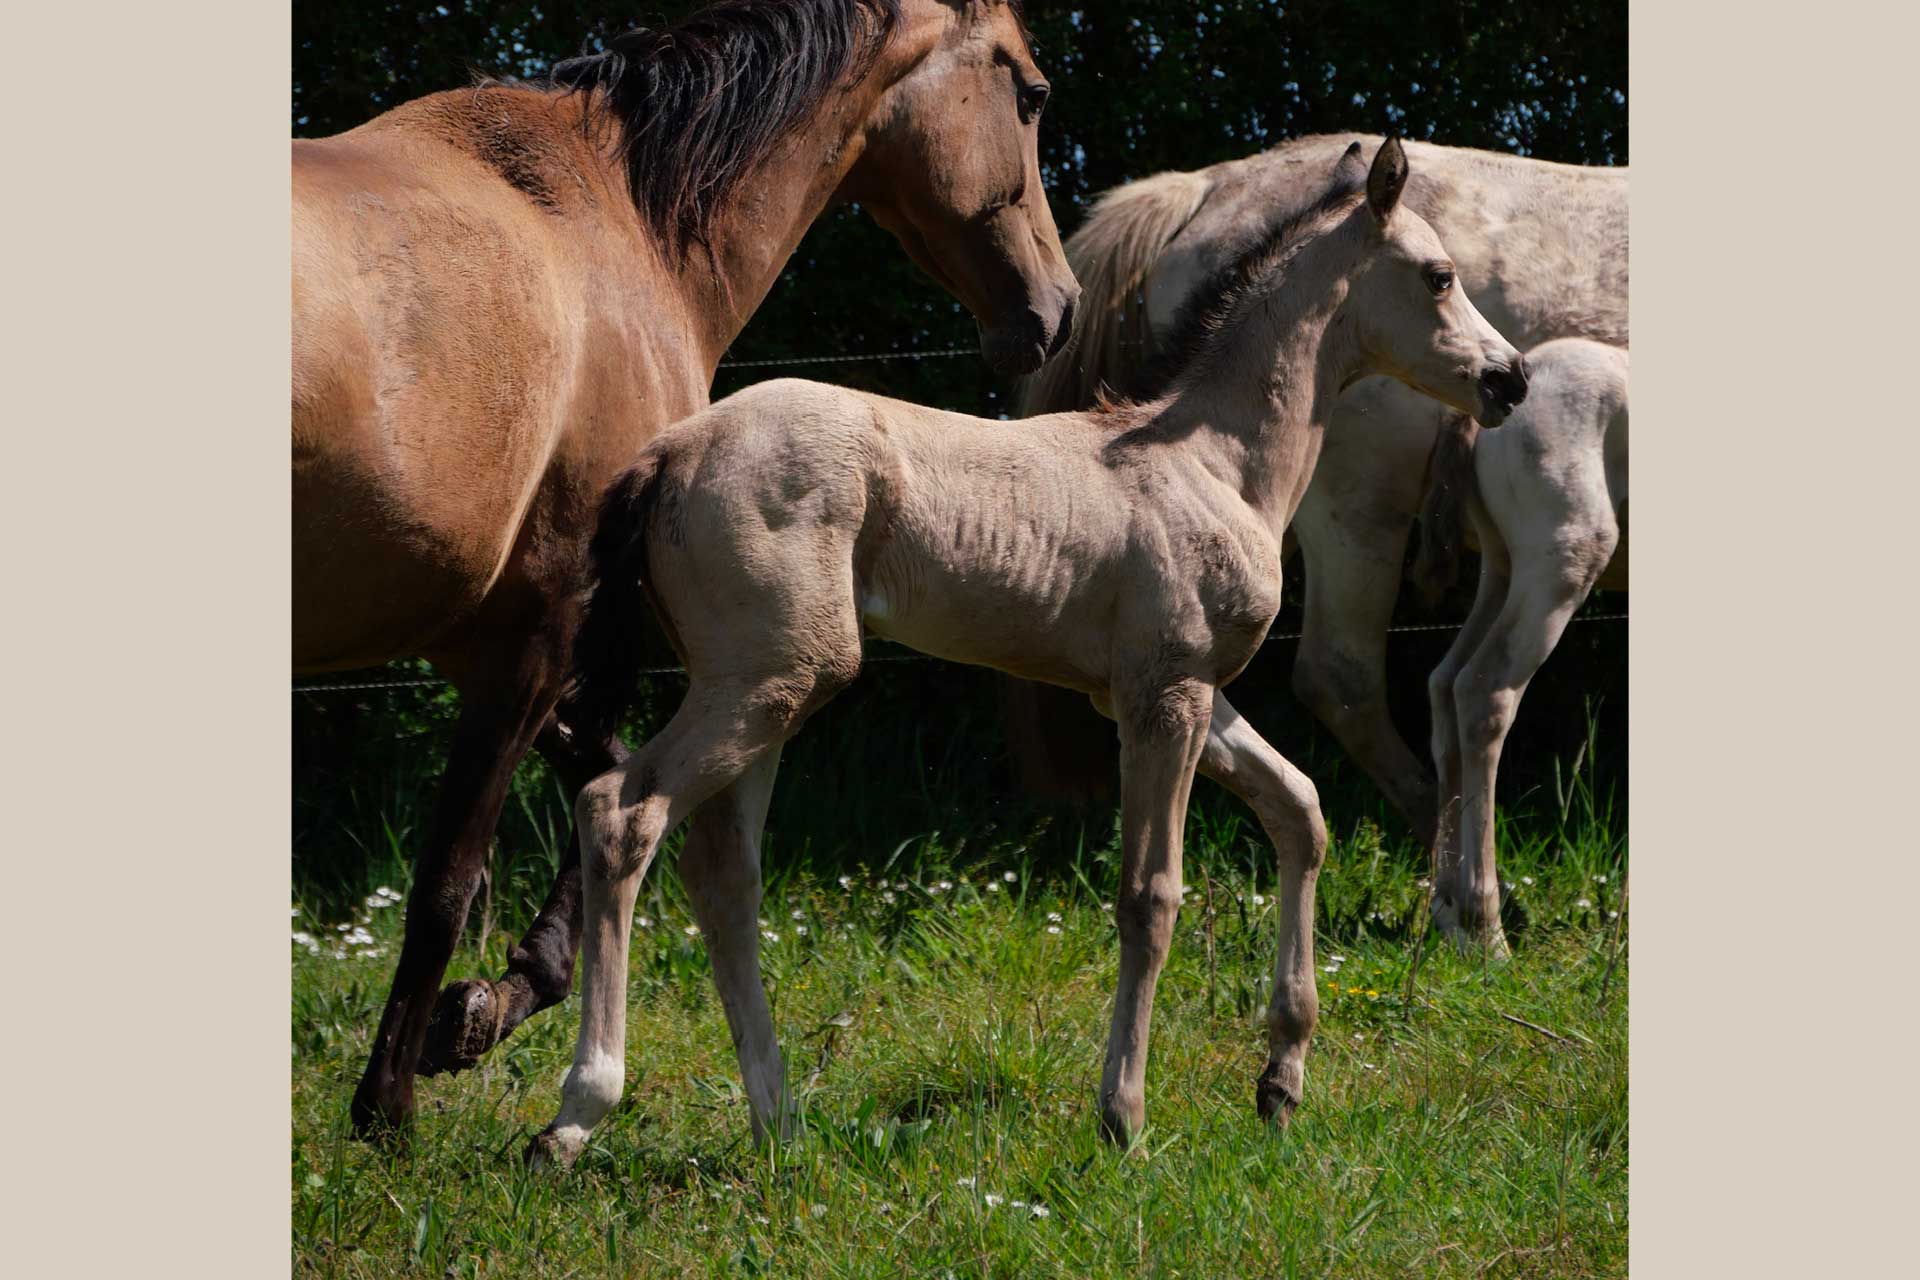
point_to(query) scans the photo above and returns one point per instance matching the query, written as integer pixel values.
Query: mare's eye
(1439, 279)
(1033, 100)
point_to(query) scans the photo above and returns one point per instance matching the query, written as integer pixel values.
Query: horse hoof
(465, 1024)
(384, 1124)
(551, 1150)
(1122, 1120)
(1275, 1098)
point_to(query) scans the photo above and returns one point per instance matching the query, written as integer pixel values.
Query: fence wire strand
(422, 682)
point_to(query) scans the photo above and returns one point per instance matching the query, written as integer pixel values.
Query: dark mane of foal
(1207, 318)
(698, 104)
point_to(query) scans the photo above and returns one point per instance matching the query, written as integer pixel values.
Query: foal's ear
(1387, 178)
(1351, 173)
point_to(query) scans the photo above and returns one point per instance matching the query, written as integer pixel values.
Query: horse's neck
(763, 222)
(1256, 416)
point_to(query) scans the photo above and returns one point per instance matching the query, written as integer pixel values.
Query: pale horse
(1541, 247)
(1130, 553)
(1544, 501)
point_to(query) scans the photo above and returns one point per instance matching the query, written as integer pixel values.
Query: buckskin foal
(1130, 553)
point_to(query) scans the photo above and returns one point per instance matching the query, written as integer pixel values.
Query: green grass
(948, 1045)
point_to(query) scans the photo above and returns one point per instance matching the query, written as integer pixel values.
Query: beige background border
(146, 529)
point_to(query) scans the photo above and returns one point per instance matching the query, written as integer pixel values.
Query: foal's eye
(1439, 280)
(1033, 100)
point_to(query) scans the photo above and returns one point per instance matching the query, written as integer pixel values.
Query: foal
(1131, 553)
(1545, 500)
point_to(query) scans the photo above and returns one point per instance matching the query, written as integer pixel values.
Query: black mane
(1209, 310)
(697, 105)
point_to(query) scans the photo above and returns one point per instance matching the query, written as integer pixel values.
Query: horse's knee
(1485, 715)
(1146, 913)
(1177, 712)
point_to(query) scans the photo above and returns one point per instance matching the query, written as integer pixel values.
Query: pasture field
(944, 1014)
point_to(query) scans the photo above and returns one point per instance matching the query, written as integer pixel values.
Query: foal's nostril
(1505, 386)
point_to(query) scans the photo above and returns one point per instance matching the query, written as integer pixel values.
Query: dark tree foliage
(1139, 86)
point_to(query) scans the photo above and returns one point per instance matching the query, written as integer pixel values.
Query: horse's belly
(377, 573)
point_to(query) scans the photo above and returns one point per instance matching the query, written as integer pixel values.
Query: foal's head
(952, 169)
(1405, 308)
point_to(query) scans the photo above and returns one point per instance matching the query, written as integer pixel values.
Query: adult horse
(1543, 249)
(501, 292)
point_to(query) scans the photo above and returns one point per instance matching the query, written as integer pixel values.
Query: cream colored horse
(1130, 553)
(1544, 501)
(1542, 248)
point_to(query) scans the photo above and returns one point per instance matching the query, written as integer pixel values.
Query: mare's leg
(474, 1015)
(1489, 596)
(1549, 583)
(720, 866)
(1289, 810)
(725, 725)
(1162, 731)
(1340, 671)
(499, 716)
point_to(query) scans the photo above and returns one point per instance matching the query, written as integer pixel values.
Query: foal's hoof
(465, 1023)
(556, 1150)
(1276, 1094)
(1123, 1120)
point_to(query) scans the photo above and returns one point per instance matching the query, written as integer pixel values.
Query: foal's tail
(1443, 513)
(1111, 255)
(610, 647)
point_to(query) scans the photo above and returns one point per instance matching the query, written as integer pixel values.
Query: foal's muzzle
(1501, 388)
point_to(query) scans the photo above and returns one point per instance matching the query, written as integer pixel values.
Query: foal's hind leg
(1161, 734)
(1289, 809)
(725, 725)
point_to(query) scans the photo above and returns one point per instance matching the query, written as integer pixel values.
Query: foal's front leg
(1161, 734)
(1289, 809)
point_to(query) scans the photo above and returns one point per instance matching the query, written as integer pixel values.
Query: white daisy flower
(1053, 928)
(1010, 877)
(994, 1201)
(993, 886)
(692, 931)
(1583, 903)
(1038, 1210)
(963, 1182)
(1054, 916)
(770, 935)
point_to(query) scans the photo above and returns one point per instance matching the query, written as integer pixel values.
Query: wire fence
(907, 655)
(939, 353)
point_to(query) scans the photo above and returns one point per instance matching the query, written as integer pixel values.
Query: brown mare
(501, 292)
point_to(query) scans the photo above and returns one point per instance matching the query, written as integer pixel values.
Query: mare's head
(951, 167)
(1404, 308)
